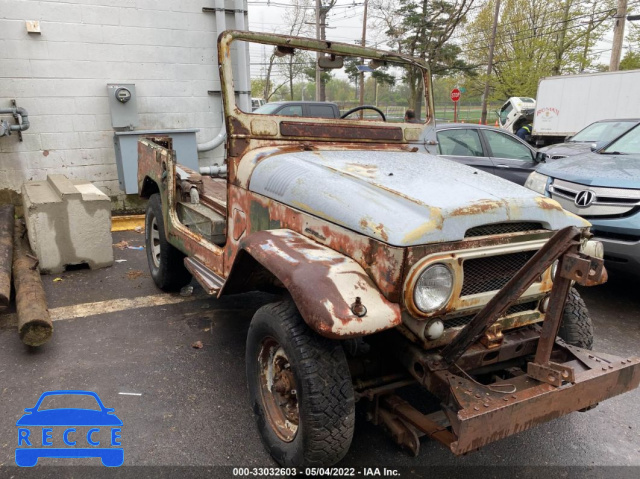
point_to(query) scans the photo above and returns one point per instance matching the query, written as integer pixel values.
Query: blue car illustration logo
(81, 427)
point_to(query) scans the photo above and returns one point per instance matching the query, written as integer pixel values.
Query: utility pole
(483, 117)
(364, 40)
(318, 73)
(618, 36)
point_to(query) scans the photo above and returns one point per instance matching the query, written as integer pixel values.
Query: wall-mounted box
(126, 144)
(33, 26)
(123, 104)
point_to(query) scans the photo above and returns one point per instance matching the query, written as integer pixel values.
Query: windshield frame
(315, 46)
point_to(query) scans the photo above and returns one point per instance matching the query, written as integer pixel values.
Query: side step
(209, 280)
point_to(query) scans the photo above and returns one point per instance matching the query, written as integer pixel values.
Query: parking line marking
(104, 307)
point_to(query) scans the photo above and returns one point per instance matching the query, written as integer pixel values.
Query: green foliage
(257, 87)
(423, 29)
(630, 61)
(535, 39)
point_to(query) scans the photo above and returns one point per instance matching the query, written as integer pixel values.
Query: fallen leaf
(197, 345)
(55, 280)
(134, 273)
(122, 245)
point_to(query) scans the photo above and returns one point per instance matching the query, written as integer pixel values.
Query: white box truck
(566, 104)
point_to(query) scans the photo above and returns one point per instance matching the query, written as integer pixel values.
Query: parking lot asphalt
(116, 334)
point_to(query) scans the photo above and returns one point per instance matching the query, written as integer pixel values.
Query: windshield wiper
(614, 153)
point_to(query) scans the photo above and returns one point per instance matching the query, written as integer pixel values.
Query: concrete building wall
(166, 47)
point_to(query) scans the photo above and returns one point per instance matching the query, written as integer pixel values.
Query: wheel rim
(278, 390)
(155, 242)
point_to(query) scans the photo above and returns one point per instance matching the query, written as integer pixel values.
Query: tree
(535, 38)
(424, 29)
(630, 61)
(289, 67)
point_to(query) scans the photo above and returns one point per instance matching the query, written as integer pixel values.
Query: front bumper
(493, 416)
(621, 253)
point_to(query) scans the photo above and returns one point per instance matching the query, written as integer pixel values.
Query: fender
(323, 283)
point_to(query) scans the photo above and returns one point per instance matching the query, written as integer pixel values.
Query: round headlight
(433, 288)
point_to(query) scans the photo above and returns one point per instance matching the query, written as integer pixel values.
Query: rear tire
(576, 328)
(166, 263)
(300, 389)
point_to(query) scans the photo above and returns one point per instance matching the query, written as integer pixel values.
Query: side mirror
(541, 157)
(331, 62)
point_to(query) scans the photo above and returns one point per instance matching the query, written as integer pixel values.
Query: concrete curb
(127, 222)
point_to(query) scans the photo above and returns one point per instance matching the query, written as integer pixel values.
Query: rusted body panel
(324, 284)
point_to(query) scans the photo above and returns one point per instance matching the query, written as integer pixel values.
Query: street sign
(455, 95)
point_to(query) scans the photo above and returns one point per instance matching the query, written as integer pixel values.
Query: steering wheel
(364, 107)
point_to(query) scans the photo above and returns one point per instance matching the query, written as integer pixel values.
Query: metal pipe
(17, 112)
(244, 98)
(221, 26)
(215, 170)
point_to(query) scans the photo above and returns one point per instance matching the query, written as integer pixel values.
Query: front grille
(491, 273)
(502, 228)
(464, 320)
(608, 202)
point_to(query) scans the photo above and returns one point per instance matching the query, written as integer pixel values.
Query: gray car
(486, 148)
(593, 137)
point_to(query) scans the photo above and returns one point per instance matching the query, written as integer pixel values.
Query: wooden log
(34, 323)
(6, 253)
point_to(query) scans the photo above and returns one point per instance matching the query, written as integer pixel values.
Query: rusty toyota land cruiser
(395, 268)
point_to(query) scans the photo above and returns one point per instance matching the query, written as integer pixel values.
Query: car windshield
(64, 401)
(602, 131)
(629, 143)
(286, 78)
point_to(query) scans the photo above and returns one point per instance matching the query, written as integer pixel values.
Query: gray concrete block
(69, 223)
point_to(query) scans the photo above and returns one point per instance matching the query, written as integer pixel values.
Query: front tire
(576, 328)
(300, 389)
(166, 263)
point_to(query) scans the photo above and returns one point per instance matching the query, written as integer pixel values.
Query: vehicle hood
(401, 198)
(594, 169)
(69, 417)
(567, 149)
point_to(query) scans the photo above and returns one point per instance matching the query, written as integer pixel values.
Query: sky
(344, 25)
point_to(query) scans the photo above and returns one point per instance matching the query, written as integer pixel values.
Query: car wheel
(166, 263)
(300, 389)
(576, 327)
